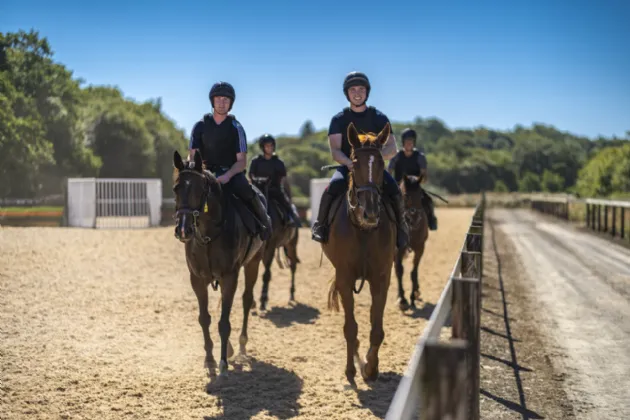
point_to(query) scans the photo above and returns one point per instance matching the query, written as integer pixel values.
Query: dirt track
(103, 324)
(580, 286)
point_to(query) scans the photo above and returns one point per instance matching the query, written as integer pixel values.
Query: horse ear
(178, 163)
(198, 161)
(383, 136)
(353, 136)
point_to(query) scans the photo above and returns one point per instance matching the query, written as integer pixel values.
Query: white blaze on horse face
(370, 162)
(183, 224)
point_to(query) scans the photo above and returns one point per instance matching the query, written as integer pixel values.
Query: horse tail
(333, 296)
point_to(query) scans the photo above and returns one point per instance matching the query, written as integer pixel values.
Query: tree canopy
(53, 127)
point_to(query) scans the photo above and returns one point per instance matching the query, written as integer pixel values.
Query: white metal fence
(114, 202)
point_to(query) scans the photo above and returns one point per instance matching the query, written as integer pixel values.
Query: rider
(222, 142)
(356, 87)
(411, 161)
(269, 165)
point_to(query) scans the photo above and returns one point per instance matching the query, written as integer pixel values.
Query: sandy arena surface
(103, 324)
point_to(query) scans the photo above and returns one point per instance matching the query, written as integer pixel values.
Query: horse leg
(415, 291)
(402, 301)
(201, 291)
(228, 290)
(350, 327)
(378, 289)
(267, 261)
(292, 255)
(251, 275)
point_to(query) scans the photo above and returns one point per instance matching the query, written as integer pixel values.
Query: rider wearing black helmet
(269, 165)
(411, 161)
(222, 142)
(356, 88)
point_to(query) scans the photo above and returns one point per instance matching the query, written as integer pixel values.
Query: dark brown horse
(283, 236)
(217, 245)
(418, 224)
(361, 245)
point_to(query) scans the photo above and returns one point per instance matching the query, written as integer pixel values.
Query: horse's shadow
(378, 397)
(265, 388)
(297, 313)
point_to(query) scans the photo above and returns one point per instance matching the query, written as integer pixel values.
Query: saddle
(235, 205)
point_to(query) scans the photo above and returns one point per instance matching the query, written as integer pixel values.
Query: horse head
(412, 193)
(366, 176)
(197, 197)
(262, 183)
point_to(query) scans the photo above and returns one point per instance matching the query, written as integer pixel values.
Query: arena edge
(442, 378)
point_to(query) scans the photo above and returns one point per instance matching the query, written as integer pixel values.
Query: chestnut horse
(361, 245)
(418, 224)
(217, 245)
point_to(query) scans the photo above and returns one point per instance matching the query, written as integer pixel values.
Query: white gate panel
(318, 186)
(114, 202)
(154, 194)
(81, 202)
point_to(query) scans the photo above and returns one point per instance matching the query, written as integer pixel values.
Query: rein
(196, 212)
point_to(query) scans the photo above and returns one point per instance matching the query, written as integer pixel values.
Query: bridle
(369, 186)
(184, 210)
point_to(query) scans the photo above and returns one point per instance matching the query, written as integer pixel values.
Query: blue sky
(469, 63)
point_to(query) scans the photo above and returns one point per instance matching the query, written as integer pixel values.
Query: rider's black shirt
(369, 121)
(407, 165)
(218, 143)
(273, 169)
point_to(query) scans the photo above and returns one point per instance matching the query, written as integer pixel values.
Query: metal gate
(114, 202)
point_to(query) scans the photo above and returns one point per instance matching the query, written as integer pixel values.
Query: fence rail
(604, 216)
(442, 378)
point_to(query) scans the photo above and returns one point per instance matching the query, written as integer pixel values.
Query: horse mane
(188, 165)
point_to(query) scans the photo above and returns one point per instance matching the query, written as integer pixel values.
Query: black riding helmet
(266, 138)
(409, 133)
(222, 89)
(356, 78)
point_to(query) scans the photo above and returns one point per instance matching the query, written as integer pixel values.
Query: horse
(283, 235)
(217, 244)
(361, 245)
(417, 221)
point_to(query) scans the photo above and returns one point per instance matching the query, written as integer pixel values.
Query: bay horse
(417, 221)
(283, 236)
(361, 245)
(217, 244)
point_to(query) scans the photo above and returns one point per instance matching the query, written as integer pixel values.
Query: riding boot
(320, 227)
(262, 216)
(294, 216)
(431, 213)
(402, 234)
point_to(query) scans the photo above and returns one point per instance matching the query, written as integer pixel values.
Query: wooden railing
(442, 378)
(617, 225)
(605, 216)
(558, 207)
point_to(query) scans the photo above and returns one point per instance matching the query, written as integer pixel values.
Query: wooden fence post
(444, 385)
(466, 315)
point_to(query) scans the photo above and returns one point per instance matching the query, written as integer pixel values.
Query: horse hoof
(403, 304)
(367, 375)
(211, 367)
(242, 358)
